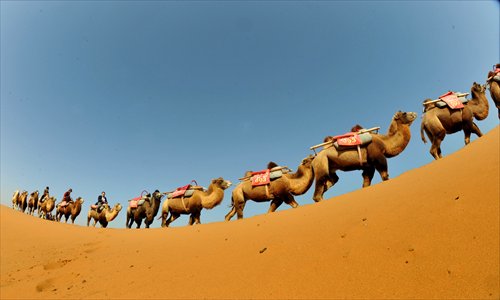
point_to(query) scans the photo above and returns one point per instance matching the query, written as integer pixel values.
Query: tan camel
(33, 202)
(15, 198)
(193, 205)
(438, 122)
(46, 207)
(105, 216)
(72, 209)
(147, 211)
(374, 155)
(494, 90)
(278, 191)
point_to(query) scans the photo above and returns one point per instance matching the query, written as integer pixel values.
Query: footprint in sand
(45, 285)
(56, 265)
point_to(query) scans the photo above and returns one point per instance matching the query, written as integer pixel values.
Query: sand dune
(432, 232)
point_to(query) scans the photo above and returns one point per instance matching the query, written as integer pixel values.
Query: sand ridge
(432, 232)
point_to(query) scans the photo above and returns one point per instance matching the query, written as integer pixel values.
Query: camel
(15, 198)
(494, 91)
(105, 216)
(147, 211)
(33, 202)
(45, 208)
(374, 155)
(438, 122)
(278, 191)
(21, 202)
(72, 209)
(193, 205)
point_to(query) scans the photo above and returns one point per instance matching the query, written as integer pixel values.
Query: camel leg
(194, 218)
(230, 214)
(476, 130)
(275, 203)
(367, 174)
(290, 201)
(138, 222)
(381, 167)
(323, 183)
(240, 206)
(436, 147)
(173, 217)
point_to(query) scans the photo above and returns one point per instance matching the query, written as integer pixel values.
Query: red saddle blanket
(93, 206)
(348, 139)
(261, 177)
(180, 191)
(452, 100)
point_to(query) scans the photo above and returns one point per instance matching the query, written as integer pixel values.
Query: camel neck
(479, 105)
(301, 181)
(212, 197)
(396, 139)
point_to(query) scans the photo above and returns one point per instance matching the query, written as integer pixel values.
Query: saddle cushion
(134, 203)
(275, 174)
(451, 100)
(93, 206)
(350, 141)
(261, 177)
(186, 194)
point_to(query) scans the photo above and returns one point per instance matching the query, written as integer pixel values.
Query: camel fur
(15, 198)
(73, 209)
(20, 202)
(494, 91)
(46, 207)
(105, 216)
(438, 122)
(33, 202)
(147, 211)
(278, 191)
(193, 205)
(374, 155)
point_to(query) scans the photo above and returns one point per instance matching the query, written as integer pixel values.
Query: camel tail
(422, 134)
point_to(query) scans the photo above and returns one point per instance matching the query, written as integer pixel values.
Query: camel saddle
(451, 100)
(185, 191)
(138, 201)
(265, 177)
(65, 203)
(351, 140)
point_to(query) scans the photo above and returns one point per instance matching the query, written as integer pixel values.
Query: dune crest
(432, 232)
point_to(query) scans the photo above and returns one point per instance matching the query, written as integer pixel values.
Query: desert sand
(432, 232)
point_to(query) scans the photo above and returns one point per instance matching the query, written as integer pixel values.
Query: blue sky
(127, 96)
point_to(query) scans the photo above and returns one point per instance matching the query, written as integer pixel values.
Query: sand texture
(432, 232)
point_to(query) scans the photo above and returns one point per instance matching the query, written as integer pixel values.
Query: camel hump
(248, 173)
(271, 165)
(356, 128)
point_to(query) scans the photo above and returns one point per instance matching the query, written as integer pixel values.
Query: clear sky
(123, 96)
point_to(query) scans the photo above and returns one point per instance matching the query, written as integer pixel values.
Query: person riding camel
(45, 194)
(495, 74)
(67, 196)
(101, 200)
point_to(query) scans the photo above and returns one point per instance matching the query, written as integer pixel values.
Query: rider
(67, 196)
(101, 200)
(45, 194)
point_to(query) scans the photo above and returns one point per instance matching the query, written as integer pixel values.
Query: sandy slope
(432, 232)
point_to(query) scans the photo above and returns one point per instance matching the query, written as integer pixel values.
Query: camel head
(405, 117)
(118, 207)
(79, 199)
(220, 182)
(307, 161)
(477, 88)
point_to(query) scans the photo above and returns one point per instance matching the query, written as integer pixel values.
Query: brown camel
(438, 122)
(494, 90)
(278, 191)
(72, 209)
(33, 202)
(193, 205)
(46, 207)
(105, 216)
(147, 211)
(374, 155)
(21, 201)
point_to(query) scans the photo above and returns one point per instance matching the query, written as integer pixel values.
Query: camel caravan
(361, 149)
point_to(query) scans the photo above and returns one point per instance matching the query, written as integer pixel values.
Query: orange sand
(432, 232)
